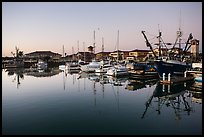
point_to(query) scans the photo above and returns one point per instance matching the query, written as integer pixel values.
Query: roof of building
(139, 50)
(43, 52)
(105, 52)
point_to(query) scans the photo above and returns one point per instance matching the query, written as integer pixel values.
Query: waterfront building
(43, 54)
(139, 55)
(102, 55)
(118, 55)
(85, 56)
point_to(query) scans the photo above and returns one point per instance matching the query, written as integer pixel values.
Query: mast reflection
(171, 96)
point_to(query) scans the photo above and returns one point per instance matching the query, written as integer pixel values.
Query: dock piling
(163, 76)
(169, 77)
(185, 74)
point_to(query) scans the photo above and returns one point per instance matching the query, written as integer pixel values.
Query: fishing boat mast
(159, 37)
(148, 44)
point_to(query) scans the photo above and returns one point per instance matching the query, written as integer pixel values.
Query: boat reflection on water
(196, 91)
(42, 73)
(90, 76)
(197, 86)
(118, 81)
(196, 97)
(134, 84)
(176, 97)
(104, 79)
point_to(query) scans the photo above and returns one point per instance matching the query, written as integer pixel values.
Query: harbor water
(55, 102)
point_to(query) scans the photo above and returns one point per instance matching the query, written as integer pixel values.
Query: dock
(175, 80)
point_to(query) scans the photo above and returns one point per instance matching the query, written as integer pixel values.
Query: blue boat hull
(172, 68)
(198, 79)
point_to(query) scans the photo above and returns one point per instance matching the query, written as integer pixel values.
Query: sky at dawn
(47, 26)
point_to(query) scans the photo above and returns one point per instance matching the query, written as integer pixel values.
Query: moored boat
(91, 67)
(42, 64)
(117, 70)
(173, 63)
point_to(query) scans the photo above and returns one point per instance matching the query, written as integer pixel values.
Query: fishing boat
(173, 63)
(174, 67)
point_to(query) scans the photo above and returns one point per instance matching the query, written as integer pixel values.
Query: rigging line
(164, 43)
(149, 33)
(152, 38)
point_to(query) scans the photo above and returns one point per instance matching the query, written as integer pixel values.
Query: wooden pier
(174, 80)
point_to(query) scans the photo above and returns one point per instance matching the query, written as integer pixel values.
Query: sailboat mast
(63, 51)
(84, 50)
(78, 49)
(72, 53)
(102, 44)
(118, 46)
(94, 43)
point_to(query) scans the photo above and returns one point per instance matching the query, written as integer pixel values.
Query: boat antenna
(180, 34)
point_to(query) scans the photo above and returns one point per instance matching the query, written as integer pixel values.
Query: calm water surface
(55, 103)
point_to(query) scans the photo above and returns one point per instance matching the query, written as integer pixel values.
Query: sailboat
(92, 66)
(118, 69)
(104, 64)
(72, 66)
